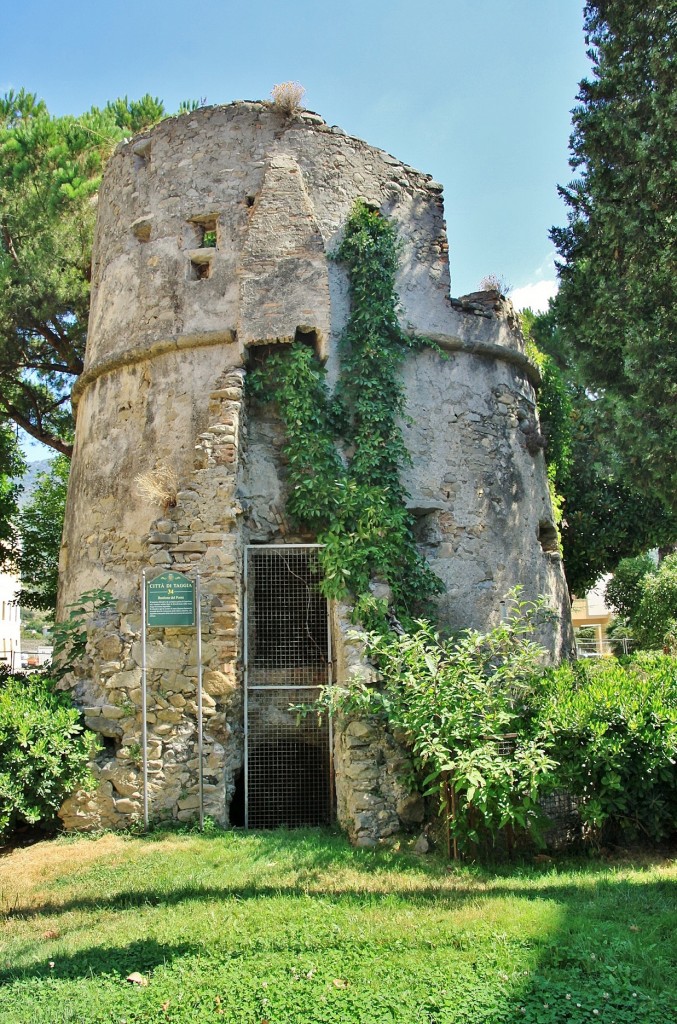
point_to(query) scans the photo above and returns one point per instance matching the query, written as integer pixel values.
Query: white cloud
(535, 296)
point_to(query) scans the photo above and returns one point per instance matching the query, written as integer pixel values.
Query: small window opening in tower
(288, 757)
(141, 151)
(308, 336)
(200, 269)
(547, 536)
(209, 233)
(204, 231)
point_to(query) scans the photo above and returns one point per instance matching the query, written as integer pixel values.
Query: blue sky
(477, 93)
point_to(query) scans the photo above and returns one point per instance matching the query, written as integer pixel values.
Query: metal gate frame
(330, 673)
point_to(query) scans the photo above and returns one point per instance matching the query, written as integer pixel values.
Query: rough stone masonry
(174, 319)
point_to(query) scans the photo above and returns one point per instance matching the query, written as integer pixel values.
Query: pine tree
(617, 305)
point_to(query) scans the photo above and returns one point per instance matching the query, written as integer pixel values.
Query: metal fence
(604, 648)
(288, 770)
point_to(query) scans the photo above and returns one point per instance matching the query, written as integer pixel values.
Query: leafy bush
(461, 705)
(620, 637)
(655, 620)
(624, 590)
(43, 751)
(491, 731)
(613, 730)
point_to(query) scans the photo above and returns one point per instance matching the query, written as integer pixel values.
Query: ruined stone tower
(213, 237)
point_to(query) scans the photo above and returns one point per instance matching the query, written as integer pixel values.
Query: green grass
(294, 927)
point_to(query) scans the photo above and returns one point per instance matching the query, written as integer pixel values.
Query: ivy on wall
(354, 505)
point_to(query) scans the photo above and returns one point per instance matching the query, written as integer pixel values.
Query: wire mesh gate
(288, 777)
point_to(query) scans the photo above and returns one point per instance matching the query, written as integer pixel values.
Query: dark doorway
(287, 755)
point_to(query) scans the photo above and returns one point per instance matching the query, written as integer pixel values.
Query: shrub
(613, 729)
(461, 705)
(44, 751)
(620, 637)
(655, 620)
(624, 590)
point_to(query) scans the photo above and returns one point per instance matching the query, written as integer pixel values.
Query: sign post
(170, 599)
(144, 702)
(199, 701)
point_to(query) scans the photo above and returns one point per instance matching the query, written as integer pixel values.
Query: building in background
(10, 622)
(593, 612)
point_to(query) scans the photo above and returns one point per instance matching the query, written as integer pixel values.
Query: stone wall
(173, 324)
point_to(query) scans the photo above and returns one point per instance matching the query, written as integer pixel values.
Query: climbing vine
(555, 407)
(355, 504)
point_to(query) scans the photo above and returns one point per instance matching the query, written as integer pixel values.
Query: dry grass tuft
(159, 486)
(288, 97)
(495, 283)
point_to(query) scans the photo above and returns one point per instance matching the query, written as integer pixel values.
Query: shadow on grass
(103, 961)
(448, 893)
(589, 960)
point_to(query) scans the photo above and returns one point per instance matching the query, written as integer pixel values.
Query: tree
(601, 516)
(50, 170)
(617, 304)
(654, 624)
(11, 467)
(41, 526)
(624, 591)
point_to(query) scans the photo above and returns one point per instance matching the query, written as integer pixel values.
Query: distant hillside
(30, 477)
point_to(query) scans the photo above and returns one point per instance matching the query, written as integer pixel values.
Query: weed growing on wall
(70, 635)
(356, 507)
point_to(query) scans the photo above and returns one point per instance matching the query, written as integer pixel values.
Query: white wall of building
(10, 622)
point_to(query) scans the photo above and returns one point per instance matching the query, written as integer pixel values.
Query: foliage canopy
(50, 170)
(41, 525)
(617, 303)
(603, 514)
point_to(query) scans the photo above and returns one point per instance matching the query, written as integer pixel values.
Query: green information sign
(170, 600)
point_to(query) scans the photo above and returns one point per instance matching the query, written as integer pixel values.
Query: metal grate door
(288, 764)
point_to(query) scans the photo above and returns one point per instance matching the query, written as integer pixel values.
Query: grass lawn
(297, 926)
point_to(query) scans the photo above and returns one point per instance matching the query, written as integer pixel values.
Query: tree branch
(51, 440)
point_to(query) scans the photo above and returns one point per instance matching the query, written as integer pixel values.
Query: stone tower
(213, 237)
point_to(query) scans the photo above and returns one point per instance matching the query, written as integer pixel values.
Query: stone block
(127, 806)
(160, 656)
(160, 558)
(219, 683)
(109, 647)
(187, 815)
(186, 682)
(111, 711)
(170, 715)
(411, 809)
(359, 730)
(112, 730)
(366, 842)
